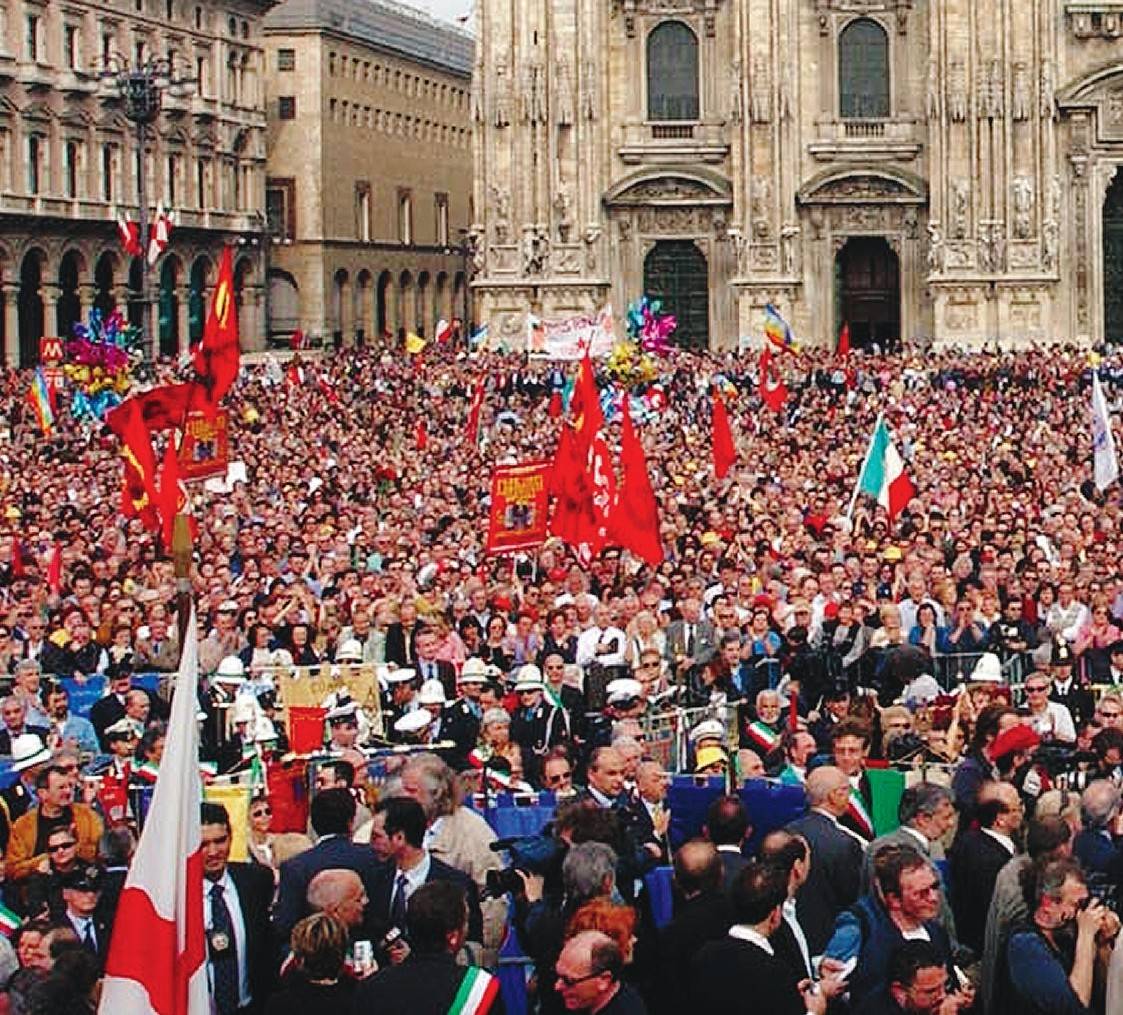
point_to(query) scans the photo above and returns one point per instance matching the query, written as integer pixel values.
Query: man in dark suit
(978, 856)
(410, 867)
(111, 708)
(401, 637)
(1094, 845)
(429, 979)
(727, 827)
(702, 915)
(691, 641)
(14, 714)
(332, 813)
(742, 973)
(836, 856)
(236, 900)
(1076, 697)
(790, 854)
(429, 667)
(80, 893)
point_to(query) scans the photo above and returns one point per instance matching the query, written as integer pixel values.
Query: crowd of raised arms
(818, 759)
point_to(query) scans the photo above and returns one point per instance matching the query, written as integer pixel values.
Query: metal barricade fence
(666, 735)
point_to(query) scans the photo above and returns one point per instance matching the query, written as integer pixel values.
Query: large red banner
(205, 449)
(519, 507)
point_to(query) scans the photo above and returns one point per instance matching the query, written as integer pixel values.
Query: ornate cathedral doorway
(1113, 260)
(868, 283)
(675, 271)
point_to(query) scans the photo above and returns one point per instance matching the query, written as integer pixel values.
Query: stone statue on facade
(535, 249)
(932, 98)
(761, 193)
(501, 206)
(1023, 207)
(1048, 98)
(563, 94)
(957, 92)
(1020, 99)
(935, 247)
(563, 206)
(589, 90)
(477, 249)
(960, 209)
(592, 235)
(502, 106)
(789, 249)
(735, 85)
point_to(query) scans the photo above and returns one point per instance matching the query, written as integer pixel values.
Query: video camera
(530, 854)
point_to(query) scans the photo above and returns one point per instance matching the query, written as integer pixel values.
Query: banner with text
(569, 339)
(205, 450)
(519, 503)
(310, 686)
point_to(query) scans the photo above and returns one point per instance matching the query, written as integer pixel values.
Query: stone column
(49, 293)
(87, 293)
(183, 318)
(11, 323)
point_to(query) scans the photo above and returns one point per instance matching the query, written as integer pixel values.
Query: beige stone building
(69, 163)
(926, 171)
(370, 168)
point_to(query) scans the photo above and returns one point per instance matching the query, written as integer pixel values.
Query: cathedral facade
(928, 172)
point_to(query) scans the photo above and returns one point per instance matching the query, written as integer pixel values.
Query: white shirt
(588, 641)
(1055, 719)
(797, 932)
(743, 932)
(1003, 840)
(234, 906)
(415, 878)
(80, 923)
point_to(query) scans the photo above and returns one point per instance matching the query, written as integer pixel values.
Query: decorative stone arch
(340, 321)
(198, 290)
(670, 186)
(363, 314)
(1090, 132)
(386, 309)
(864, 46)
(33, 273)
(284, 304)
(72, 271)
(170, 307)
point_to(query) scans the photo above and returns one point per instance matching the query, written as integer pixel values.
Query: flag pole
(181, 558)
(865, 462)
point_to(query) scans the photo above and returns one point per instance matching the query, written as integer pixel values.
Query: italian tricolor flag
(883, 474)
(477, 991)
(9, 921)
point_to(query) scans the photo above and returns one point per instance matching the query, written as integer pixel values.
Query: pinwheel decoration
(101, 356)
(649, 327)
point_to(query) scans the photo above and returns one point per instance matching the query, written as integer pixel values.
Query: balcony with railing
(673, 141)
(895, 139)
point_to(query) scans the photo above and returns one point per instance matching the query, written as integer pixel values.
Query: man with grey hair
(457, 836)
(339, 892)
(588, 872)
(926, 814)
(1095, 844)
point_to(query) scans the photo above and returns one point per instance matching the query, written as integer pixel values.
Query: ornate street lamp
(141, 86)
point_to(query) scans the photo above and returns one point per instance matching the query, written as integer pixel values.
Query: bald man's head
(339, 893)
(698, 868)
(828, 788)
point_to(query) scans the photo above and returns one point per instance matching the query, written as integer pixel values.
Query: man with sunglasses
(42, 894)
(589, 977)
(1050, 719)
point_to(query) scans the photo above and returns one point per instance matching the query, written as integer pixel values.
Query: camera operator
(588, 872)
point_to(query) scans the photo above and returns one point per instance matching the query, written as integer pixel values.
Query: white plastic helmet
(231, 668)
(349, 652)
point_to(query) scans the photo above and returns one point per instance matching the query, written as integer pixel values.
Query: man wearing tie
(429, 667)
(236, 898)
(80, 893)
(691, 641)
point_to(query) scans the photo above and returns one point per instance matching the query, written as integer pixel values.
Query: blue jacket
(866, 931)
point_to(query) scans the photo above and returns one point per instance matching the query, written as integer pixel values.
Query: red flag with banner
(773, 391)
(138, 497)
(634, 521)
(724, 453)
(157, 963)
(519, 504)
(844, 340)
(54, 569)
(172, 494)
(217, 356)
(603, 477)
(554, 409)
(472, 431)
(205, 448)
(421, 435)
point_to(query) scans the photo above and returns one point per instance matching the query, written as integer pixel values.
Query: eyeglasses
(572, 981)
(262, 813)
(1037, 689)
(58, 847)
(554, 780)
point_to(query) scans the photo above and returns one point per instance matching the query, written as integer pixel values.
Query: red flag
(585, 404)
(554, 409)
(327, 390)
(574, 518)
(139, 493)
(602, 477)
(157, 955)
(634, 521)
(165, 407)
(421, 435)
(724, 453)
(472, 431)
(844, 340)
(16, 559)
(128, 232)
(294, 375)
(773, 391)
(172, 495)
(54, 569)
(217, 356)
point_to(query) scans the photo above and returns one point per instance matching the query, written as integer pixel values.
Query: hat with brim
(400, 676)
(413, 722)
(622, 690)
(988, 670)
(474, 671)
(432, 693)
(708, 756)
(707, 729)
(122, 729)
(529, 678)
(28, 751)
(344, 712)
(84, 878)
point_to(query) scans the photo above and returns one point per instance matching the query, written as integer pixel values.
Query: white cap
(988, 669)
(529, 678)
(231, 669)
(400, 676)
(432, 693)
(244, 710)
(228, 605)
(707, 729)
(349, 651)
(28, 751)
(623, 689)
(474, 671)
(266, 731)
(413, 722)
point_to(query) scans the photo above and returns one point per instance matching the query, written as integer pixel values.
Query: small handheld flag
(883, 474)
(1104, 460)
(41, 399)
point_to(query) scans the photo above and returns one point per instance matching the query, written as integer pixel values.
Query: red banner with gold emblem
(519, 507)
(205, 449)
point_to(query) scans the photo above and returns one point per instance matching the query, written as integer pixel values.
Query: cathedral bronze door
(868, 284)
(676, 272)
(1113, 261)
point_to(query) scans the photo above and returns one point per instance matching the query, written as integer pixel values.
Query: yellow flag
(414, 343)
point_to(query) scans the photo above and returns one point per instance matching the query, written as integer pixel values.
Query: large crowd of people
(974, 642)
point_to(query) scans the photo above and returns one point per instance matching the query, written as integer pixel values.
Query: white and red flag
(157, 955)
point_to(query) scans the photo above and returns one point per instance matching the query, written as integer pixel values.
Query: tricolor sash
(857, 812)
(477, 991)
(763, 736)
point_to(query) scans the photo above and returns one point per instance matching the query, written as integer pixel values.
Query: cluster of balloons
(631, 362)
(101, 356)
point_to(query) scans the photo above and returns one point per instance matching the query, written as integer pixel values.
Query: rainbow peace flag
(40, 399)
(777, 330)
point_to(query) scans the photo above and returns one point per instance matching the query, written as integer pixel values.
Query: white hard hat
(231, 668)
(432, 693)
(349, 651)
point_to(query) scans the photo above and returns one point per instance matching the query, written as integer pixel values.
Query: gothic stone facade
(938, 172)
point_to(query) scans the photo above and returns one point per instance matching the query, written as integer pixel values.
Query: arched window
(672, 72)
(863, 71)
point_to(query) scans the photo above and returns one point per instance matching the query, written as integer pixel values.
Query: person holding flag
(883, 475)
